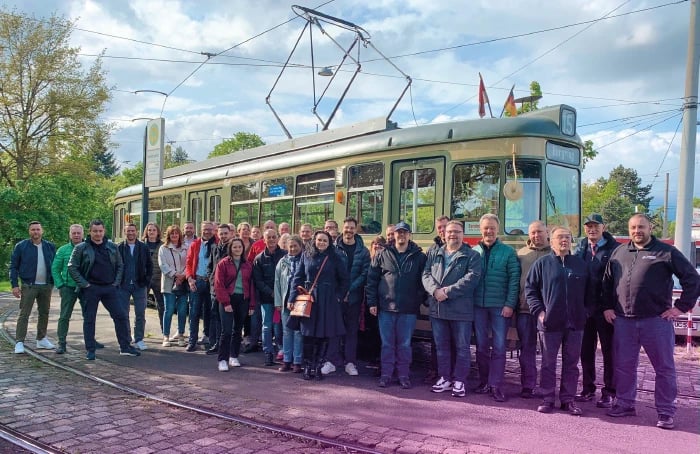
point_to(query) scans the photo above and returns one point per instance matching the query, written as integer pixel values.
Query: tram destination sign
(566, 155)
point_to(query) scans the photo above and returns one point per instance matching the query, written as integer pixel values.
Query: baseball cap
(594, 218)
(403, 226)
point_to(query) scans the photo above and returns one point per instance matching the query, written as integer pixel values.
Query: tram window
(278, 187)
(154, 216)
(563, 189)
(366, 196)
(119, 220)
(417, 201)
(277, 199)
(196, 211)
(170, 217)
(215, 208)
(245, 192)
(314, 198)
(316, 183)
(277, 210)
(475, 191)
(244, 212)
(171, 202)
(521, 211)
(134, 216)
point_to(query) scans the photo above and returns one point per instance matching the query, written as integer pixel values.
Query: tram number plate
(683, 324)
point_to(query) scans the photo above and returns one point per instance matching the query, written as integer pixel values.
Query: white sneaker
(328, 368)
(181, 341)
(442, 385)
(45, 344)
(19, 347)
(223, 367)
(204, 340)
(350, 369)
(233, 362)
(166, 341)
(175, 337)
(141, 345)
(458, 389)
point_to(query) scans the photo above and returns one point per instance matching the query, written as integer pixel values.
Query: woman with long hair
(233, 284)
(321, 264)
(172, 257)
(292, 340)
(151, 237)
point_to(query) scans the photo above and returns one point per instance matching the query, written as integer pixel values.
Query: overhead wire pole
(684, 201)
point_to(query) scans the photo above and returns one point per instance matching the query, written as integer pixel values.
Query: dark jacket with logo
(264, 274)
(397, 287)
(143, 265)
(596, 267)
(558, 287)
(638, 282)
(24, 260)
(460, 279)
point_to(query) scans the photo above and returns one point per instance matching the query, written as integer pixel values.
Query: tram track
(34, 445)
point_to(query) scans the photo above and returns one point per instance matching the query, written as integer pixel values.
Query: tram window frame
(196, 212)
(245, 197)
(571, 217)
(215, 208)
(490, 203)
(314, 189)
(364, 182)
(277, 199)
(520, 213)
(425, 208)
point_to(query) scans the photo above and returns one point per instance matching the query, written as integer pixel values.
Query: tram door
(417, 190)
(416, 195)
(204, 206)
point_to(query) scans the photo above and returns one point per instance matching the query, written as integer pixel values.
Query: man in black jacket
(138, 270)
(637, 289)
(555, 290)
(395, 291)
(595, 250)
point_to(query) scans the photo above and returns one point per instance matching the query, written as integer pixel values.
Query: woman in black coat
(326, 320)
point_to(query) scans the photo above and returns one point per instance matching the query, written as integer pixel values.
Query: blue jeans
(448, 333)
(171, 302)
(527, 333)
(266, 311)
(490, 351)
(200, 298)
(128, 291)
(396, 330)
(656, 335)
(570, 343)
(292, 341)
(91, 296)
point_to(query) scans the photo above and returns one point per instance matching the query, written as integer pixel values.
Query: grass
(5, 286)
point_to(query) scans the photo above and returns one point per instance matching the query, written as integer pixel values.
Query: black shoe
(191, 348)
(213, 350)
(308, 373)
(250, 348)
(384, 381)
(605, 402)
(90, 356)
(318, 375)
(572, 408)
(483, 388)
(527, 393)
(585, 396)
(61, 348)
(99, 345)
(286, 367)
(498, 395)
(129, 351)
(618, 411)
(296, 368)
(269, 360)
(405, 382)
(546, 407)
(665, 422)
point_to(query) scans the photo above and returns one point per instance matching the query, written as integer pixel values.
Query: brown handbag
(305, 300)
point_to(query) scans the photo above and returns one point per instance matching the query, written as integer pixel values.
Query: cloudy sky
(621, 64)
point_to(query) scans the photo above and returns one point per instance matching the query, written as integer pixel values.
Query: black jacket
(144, 264)
(560, 289)
(394, 287)
(638, 282)
(83, 258)
(264, 274)
(596, 267)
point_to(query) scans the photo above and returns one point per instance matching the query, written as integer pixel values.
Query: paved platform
(390, 419)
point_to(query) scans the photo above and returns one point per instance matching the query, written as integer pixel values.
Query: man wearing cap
(595, 250)
(394, 294)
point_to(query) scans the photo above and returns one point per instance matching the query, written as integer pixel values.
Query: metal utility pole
(684, 204)
(664, 234)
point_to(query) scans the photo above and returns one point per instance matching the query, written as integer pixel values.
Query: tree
(104, 162)
(49, 104)
(176, 157)
(589, 153)
(535, 90)
(240, 141)
(629, 185)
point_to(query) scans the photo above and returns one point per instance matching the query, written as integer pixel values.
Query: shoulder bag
(305, 300)
(181, 288)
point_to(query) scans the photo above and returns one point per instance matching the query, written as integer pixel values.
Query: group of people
(566, 299)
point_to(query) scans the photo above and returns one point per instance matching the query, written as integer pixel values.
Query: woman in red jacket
(233, 284)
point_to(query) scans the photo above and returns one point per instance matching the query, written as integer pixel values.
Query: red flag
(510, 104)
(483, 98)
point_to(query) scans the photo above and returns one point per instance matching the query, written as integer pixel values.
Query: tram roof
(372, 136)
